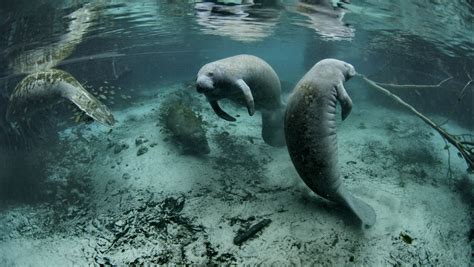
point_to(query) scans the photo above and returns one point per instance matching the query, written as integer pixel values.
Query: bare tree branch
(463, 91)
(419, 86)
(464, 148)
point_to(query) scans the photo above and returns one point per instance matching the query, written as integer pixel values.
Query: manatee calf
(310, 131)
(186, 128)
(248, 81)
(43, 89)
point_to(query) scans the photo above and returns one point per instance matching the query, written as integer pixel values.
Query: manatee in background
(186, 127)
(310, 131)
(248, 81)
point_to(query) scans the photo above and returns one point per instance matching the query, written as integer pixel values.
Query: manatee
(248, 81)
(186, 128)
(310, 132)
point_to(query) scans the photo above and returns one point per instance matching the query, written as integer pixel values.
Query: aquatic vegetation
(157, 225)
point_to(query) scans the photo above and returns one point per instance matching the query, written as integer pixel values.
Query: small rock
(102, 261)
(120, 146)
(110, 144)
(140, 140)
(126, 176)
(142, 150)
(153, 144)
(119, 223)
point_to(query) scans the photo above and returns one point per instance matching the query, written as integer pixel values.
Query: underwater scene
(237, 132)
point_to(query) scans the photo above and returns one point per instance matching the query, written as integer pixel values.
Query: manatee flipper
(248, 96)
(220, 112)
(43, 89)
(362, 210)
(344, 99)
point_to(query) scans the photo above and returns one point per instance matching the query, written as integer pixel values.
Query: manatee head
(346, 69)
(208, 79)
(204, 83)
(349, 71)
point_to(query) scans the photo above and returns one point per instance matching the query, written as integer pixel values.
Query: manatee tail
(273, 132)
(364, 212)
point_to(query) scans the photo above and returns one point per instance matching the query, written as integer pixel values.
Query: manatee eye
(210, 74)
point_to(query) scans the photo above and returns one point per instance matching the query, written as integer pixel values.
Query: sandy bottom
(110, 205)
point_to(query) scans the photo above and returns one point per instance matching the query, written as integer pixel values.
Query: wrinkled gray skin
(248, 81)
(310, 131)
(43, 89)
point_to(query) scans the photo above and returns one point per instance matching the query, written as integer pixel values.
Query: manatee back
(260, 77)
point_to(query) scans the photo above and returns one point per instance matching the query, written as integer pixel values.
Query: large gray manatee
(248, 81)
(310, 131)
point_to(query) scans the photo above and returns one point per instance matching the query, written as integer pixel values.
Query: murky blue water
(129, 52)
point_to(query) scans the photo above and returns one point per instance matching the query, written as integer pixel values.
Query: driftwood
(246, 235)
(464, 146)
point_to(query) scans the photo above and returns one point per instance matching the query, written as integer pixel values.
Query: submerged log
(253, 230)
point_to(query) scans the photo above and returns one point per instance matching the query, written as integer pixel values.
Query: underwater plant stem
(460, 146)
(463, 91)
(460, 97)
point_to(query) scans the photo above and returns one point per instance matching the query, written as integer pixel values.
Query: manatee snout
(204, 84)
(350, 71)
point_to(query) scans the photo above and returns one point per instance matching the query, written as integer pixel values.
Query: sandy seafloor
(166, 207)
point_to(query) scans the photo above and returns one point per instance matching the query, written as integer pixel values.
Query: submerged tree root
(462, 144)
